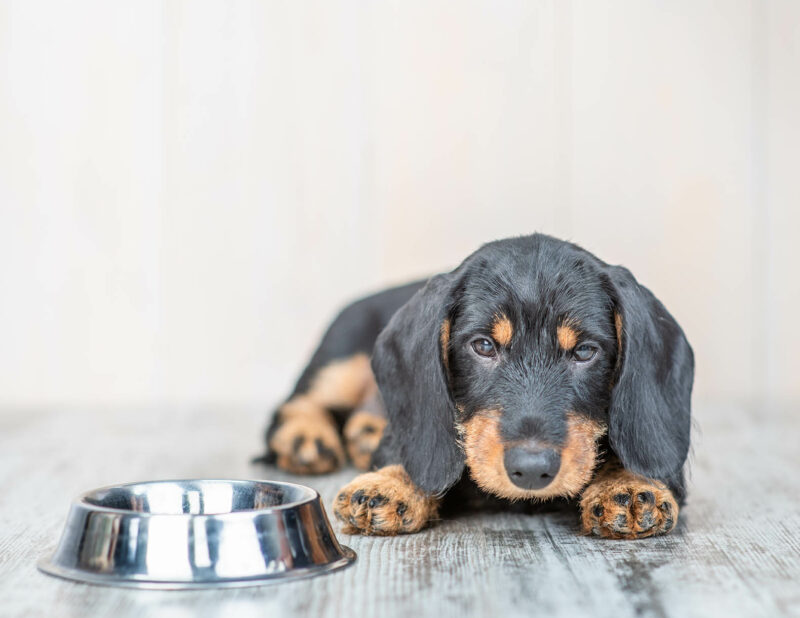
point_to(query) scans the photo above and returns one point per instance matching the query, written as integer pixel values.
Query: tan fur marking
(502, 330)
(444, 338)
(302, 424)
(618, 329)
(619, 504)
(384, 503)
(484, 452)
(302, 406)
(362, 433)
(567, 336)
(307, 440)
(343, 383)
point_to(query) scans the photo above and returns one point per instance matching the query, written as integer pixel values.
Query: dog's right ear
(409, 362)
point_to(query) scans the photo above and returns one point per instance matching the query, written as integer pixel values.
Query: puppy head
(517, 362)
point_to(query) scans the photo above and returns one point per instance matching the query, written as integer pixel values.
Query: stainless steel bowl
(196, 534)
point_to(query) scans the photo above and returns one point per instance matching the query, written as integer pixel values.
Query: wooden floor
(736, 552)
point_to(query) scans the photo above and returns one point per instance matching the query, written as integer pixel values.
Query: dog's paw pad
(362, 433)
(633, 509)
(383, 503)
(307, 445)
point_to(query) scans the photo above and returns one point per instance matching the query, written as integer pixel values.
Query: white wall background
(189, 190)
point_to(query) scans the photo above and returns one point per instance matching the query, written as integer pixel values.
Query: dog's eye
(484, 347)
(584, 352)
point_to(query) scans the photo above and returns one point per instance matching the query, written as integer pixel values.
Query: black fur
(410, 373)
(649, 415)
(642, 391)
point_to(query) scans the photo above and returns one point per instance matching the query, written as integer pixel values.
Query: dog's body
(517, 373)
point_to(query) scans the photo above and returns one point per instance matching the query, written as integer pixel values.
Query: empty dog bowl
(196, 534)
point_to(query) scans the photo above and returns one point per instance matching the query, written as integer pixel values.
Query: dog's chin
(484, 451)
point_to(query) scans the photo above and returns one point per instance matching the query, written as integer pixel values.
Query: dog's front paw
(307, 444)
(384, 502)
(622, 505)
(362, 433)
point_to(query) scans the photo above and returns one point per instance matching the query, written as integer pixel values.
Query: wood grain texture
(735, 552)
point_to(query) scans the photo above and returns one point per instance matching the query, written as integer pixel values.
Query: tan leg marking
(619, 504)
(362, 433)
(307, 440)
(484, 452)
(384, 503)
(342, 383)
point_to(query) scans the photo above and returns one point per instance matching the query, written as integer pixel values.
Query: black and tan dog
(532, 371)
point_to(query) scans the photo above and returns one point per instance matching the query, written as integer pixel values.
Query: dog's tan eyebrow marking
(502, 330)
(567, 334)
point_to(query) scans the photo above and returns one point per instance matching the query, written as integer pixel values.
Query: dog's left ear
(409, 362)
(649, 414)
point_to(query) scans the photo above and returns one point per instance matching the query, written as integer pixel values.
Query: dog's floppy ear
(409, 363)
(649, 414)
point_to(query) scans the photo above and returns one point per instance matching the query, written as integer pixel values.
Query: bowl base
(47, 567)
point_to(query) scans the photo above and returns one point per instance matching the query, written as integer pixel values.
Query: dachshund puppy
(532, 371)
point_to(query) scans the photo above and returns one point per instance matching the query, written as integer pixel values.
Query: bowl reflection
(196, 534)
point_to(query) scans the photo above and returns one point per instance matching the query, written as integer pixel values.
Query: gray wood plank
(735, 552)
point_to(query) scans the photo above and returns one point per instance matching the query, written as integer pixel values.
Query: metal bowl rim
(82, 502)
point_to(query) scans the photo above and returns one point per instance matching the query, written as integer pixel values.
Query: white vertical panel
(662, 172)
(264, 227)
(188, 190)
(80, 173)
(464, 117)
(778, 321)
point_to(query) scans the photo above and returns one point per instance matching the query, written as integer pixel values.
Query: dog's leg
(619, 504)
(304, 437)
(384, 502)
(364, 429)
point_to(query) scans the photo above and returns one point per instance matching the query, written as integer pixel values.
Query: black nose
(531, 468)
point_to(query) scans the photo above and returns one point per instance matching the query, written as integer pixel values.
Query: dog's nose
(530, 468)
